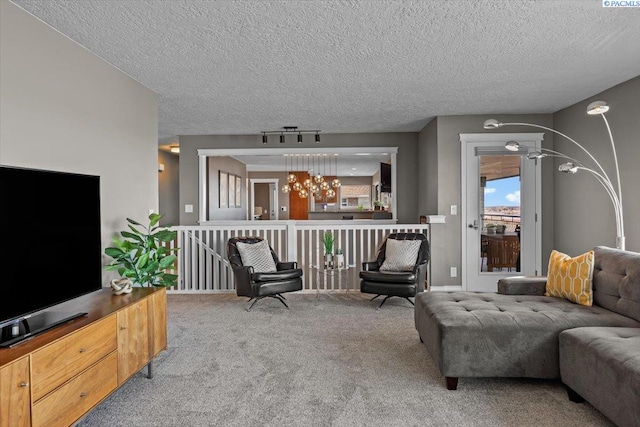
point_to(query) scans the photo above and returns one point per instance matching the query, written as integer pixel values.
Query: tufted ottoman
(602, 365)
(493, 335)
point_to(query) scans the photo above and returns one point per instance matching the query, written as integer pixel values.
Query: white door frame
(276, 204)
(536, 234)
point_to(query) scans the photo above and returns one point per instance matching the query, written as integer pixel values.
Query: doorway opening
(264, 199)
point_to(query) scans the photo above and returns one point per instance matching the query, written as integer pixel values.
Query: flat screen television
(385, 177)
(51, 248)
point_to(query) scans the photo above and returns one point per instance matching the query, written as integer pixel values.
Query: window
(353, 196)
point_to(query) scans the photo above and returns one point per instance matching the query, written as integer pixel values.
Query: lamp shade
(492, 124)
(568, 168)
(597, 107)
(512, 146)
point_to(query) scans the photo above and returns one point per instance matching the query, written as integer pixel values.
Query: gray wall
(231, 166)
(583, 212)
(63, 108)
(407, 170)
(428, 170)
(168, 188)
(446, 238)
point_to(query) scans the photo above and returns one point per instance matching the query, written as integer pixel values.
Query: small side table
(322, 275)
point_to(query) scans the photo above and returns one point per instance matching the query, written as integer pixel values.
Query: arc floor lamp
(572, 165)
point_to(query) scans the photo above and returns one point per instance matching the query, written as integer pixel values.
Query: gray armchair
(258, 285)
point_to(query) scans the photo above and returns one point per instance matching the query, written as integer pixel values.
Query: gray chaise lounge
(513, 335)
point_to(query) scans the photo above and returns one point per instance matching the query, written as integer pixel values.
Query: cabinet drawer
(54, 364)
(68, 403)
(15, 406)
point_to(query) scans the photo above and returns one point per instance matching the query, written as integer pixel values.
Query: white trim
(203, 153)
(534, 138)
(202, 187)
(501, 137)
(227, 152)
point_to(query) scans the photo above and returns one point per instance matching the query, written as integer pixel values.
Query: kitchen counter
(355, 214)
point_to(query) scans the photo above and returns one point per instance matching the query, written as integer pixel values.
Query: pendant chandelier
(315, 184)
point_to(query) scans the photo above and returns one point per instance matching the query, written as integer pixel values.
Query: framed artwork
(232, 191)
(223, 191)
(238, 192)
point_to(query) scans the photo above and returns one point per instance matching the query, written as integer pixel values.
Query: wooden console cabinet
(57, 377)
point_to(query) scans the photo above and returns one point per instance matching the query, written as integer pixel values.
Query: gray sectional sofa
(519, 332)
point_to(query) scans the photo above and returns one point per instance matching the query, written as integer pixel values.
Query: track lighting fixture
(287, 130)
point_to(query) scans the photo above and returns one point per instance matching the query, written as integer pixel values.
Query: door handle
(474, 225)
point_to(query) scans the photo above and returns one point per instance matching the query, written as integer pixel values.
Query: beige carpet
(330, 361)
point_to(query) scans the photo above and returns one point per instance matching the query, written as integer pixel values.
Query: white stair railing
(202, 260)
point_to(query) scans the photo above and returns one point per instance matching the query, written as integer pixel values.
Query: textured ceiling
(239, 67)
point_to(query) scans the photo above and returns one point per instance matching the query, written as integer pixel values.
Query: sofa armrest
(522, 285)
(370, 266)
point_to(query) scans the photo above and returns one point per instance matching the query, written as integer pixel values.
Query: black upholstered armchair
(255, 285)
(405, 283)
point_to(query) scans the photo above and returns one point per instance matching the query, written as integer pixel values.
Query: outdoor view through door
(500, 213)
(501, 199)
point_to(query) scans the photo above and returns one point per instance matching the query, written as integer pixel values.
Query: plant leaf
(167, 262)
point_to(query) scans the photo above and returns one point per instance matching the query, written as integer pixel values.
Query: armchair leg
(374, 297)
(278, 297)
(281, 296)
(407, 298)
(281, 299)
(383, 301)
(253, 303)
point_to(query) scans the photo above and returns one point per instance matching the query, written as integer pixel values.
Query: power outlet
(453, 272)
(454, 210)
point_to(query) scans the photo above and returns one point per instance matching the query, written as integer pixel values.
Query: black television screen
(385, 177)
(51, 249)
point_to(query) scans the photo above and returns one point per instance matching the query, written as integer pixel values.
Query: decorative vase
(328, 261)
(340, 260)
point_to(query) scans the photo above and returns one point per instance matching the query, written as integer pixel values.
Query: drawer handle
(24, 384)
(122, 328)
(83, 350)
(83, 394)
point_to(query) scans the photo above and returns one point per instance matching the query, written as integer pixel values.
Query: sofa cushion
(388, 276)
(616, 281)
(490, 335)
(603, 366)
(274, 276)
(570, 278)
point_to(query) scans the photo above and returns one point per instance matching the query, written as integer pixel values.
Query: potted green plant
(139, 255)
(328, 239)
(377, 205)
(491, 228)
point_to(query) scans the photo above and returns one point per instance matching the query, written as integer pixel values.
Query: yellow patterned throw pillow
(570, 278)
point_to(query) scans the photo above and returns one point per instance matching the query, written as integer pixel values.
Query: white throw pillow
(257, 255)
(401, 255)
